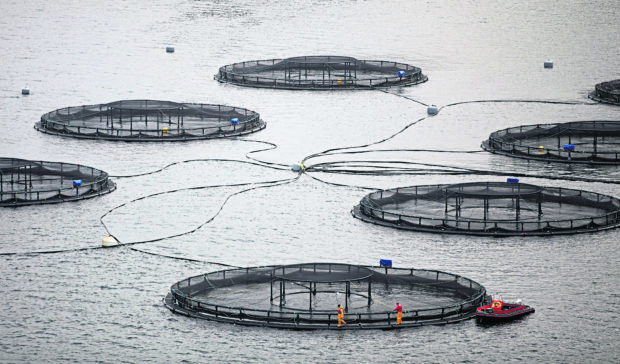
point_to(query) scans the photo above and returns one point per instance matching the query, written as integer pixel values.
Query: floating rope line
(328, 167)
(192, 161)
(263, 185)
(403, 96)
(342, 184)
(324, 167)
(373, 167)
(180, 258)
(520, 101)
(50, 251)
(253, 161)
(271, 146)
(328, 151)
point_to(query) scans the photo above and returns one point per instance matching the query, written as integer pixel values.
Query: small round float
(150, 120)
(27, 182)
(307, 296)
(490, 208)
(320, 73)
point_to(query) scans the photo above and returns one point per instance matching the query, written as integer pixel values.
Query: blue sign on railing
(385, 262)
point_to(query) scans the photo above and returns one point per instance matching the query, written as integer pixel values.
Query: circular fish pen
(490, 208)
(307, 296)
(150, 120)
(26, 182)
(607, 92)
(594, 142)
(320, 73)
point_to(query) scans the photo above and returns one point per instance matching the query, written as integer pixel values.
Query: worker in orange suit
(399, 313)
(341, 321)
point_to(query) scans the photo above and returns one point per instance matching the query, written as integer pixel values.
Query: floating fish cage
(320, 73)
(490, 208)
(594, 142)
(26, 182)
(607, 92)
(307, 296)
(150, 120)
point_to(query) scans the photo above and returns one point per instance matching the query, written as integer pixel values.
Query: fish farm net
(307, 296)
(150, 120)
(320, 73)
(25, 182)
(595, 142)
(607, 92)
(490, 208)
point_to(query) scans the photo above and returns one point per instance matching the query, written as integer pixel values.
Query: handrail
(315, 316)
(228, 72)
(98, 181)
(610, 217)
(574, 129)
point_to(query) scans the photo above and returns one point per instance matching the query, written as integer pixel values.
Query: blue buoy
(512, 180)
(548, 63)
(169, 49)
(234, 120)
(401, 73)
(569, 147)
(432, 110)
(25, 91)
(77, 182)
(385, 262)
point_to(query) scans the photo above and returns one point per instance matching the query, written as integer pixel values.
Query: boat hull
(483, 316)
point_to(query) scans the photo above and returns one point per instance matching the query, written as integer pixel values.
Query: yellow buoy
(339, 81)
(109, 241)
(164, 131)
(541, 150)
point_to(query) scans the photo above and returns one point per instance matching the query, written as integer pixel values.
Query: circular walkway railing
(489, 208)
(316, 284)
(150, 120)
(26, 182)
(594, 142)
(320, 73)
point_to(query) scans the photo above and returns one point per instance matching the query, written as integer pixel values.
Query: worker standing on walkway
(399, 313)
(341, 321)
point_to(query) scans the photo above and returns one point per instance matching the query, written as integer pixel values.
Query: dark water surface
(105, 305)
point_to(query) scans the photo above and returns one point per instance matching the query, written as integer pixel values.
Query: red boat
(500, 311)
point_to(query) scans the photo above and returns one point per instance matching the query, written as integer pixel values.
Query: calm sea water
(105, 305)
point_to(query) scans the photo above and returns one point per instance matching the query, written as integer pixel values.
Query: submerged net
(490, 208)
(306, 296)
(596, 142)
(25, 182)
(607, 92)
(320, 72)
(150, 120)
